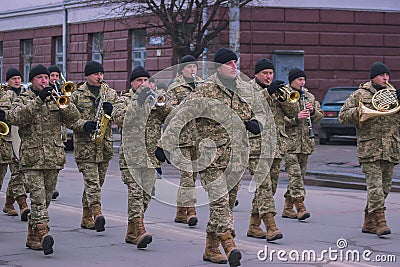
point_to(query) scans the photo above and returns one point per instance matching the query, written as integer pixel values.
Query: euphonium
(384, 101)
(284, 94)
(68, 87)
(4, 129)
(101, 118)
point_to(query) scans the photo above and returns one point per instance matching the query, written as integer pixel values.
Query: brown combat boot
(23, 208)
(99, 220)
(232, 253)
(369, 225)
(254, 227)
(191, 216)
(288, 211)
(302, 213)
(131, 234)
(46, 240)
(87, 219)
(273, 232)
(212, 252)
(381, 226)
(181, 215)
(142, 237)
(33, 239)
(9, 206)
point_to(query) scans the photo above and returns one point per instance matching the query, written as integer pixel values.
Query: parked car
(331, 105)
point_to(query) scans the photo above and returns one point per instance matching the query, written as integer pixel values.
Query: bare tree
(191, 25)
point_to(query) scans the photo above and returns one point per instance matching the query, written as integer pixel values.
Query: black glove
(90, 126)
(274, 86)
(108, 108)
(253, 126)
(398, 93)
(161, 156)
(143, 95)
(45, 92)
(2, 115)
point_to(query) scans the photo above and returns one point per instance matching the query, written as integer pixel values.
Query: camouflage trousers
(140, 182)
(41, 184)
(378, 178)
(274, 173)
(216, 185)
(3, 172)
(295, 166)
(186, 196)
(263, 200)
(94, 175)
(16, 185)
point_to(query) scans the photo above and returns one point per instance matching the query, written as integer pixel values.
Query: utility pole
(234, 27)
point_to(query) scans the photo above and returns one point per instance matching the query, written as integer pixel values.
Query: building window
(97, 47)
(27, 54)
(139, 48)
(1, 61)
(58, 57)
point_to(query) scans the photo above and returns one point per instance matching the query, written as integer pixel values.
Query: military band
(221, 124)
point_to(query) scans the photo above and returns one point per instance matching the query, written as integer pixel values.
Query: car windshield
(334, 97)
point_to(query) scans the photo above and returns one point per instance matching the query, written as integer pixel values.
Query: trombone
(284, 94)
(68, 87)
(4, 129)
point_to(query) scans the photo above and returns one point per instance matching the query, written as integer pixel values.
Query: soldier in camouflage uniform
(183, 85)
(93, 98)
(377, 146)
(42, 154)
(263, 205)
(220, 109)
(300, 143)
(15, 189)
(134, 113)
(55, 73)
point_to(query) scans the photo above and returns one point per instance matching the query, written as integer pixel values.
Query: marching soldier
(16, 188)
(55, 73)
(263, 205)
(140, 132)
(42, 155)
(300, 143)
(377, 146)
(184, 84)
(221, 109)
(95, 101)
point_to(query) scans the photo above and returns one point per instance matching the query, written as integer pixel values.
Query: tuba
(101, 118)
(384, 101)
(284, 94)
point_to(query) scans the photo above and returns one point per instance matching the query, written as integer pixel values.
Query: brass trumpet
(284, 94)
(4, 129)
(68, 87)
(384, 101)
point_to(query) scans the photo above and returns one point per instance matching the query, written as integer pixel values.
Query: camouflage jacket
(178, 90)
(299, 140)
(377, 137)
(6, 99)
(86, 150)
(279, 110)
(138, 145)
(219, 114)
(40, 130)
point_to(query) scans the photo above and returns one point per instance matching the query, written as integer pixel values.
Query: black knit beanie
(296, 73)
(378, 68)
(139, 71)
(93, 67)
(54, 68)
(185, 60)
(38, 69)
(12, 72)
(224, 55)
(263, 64)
